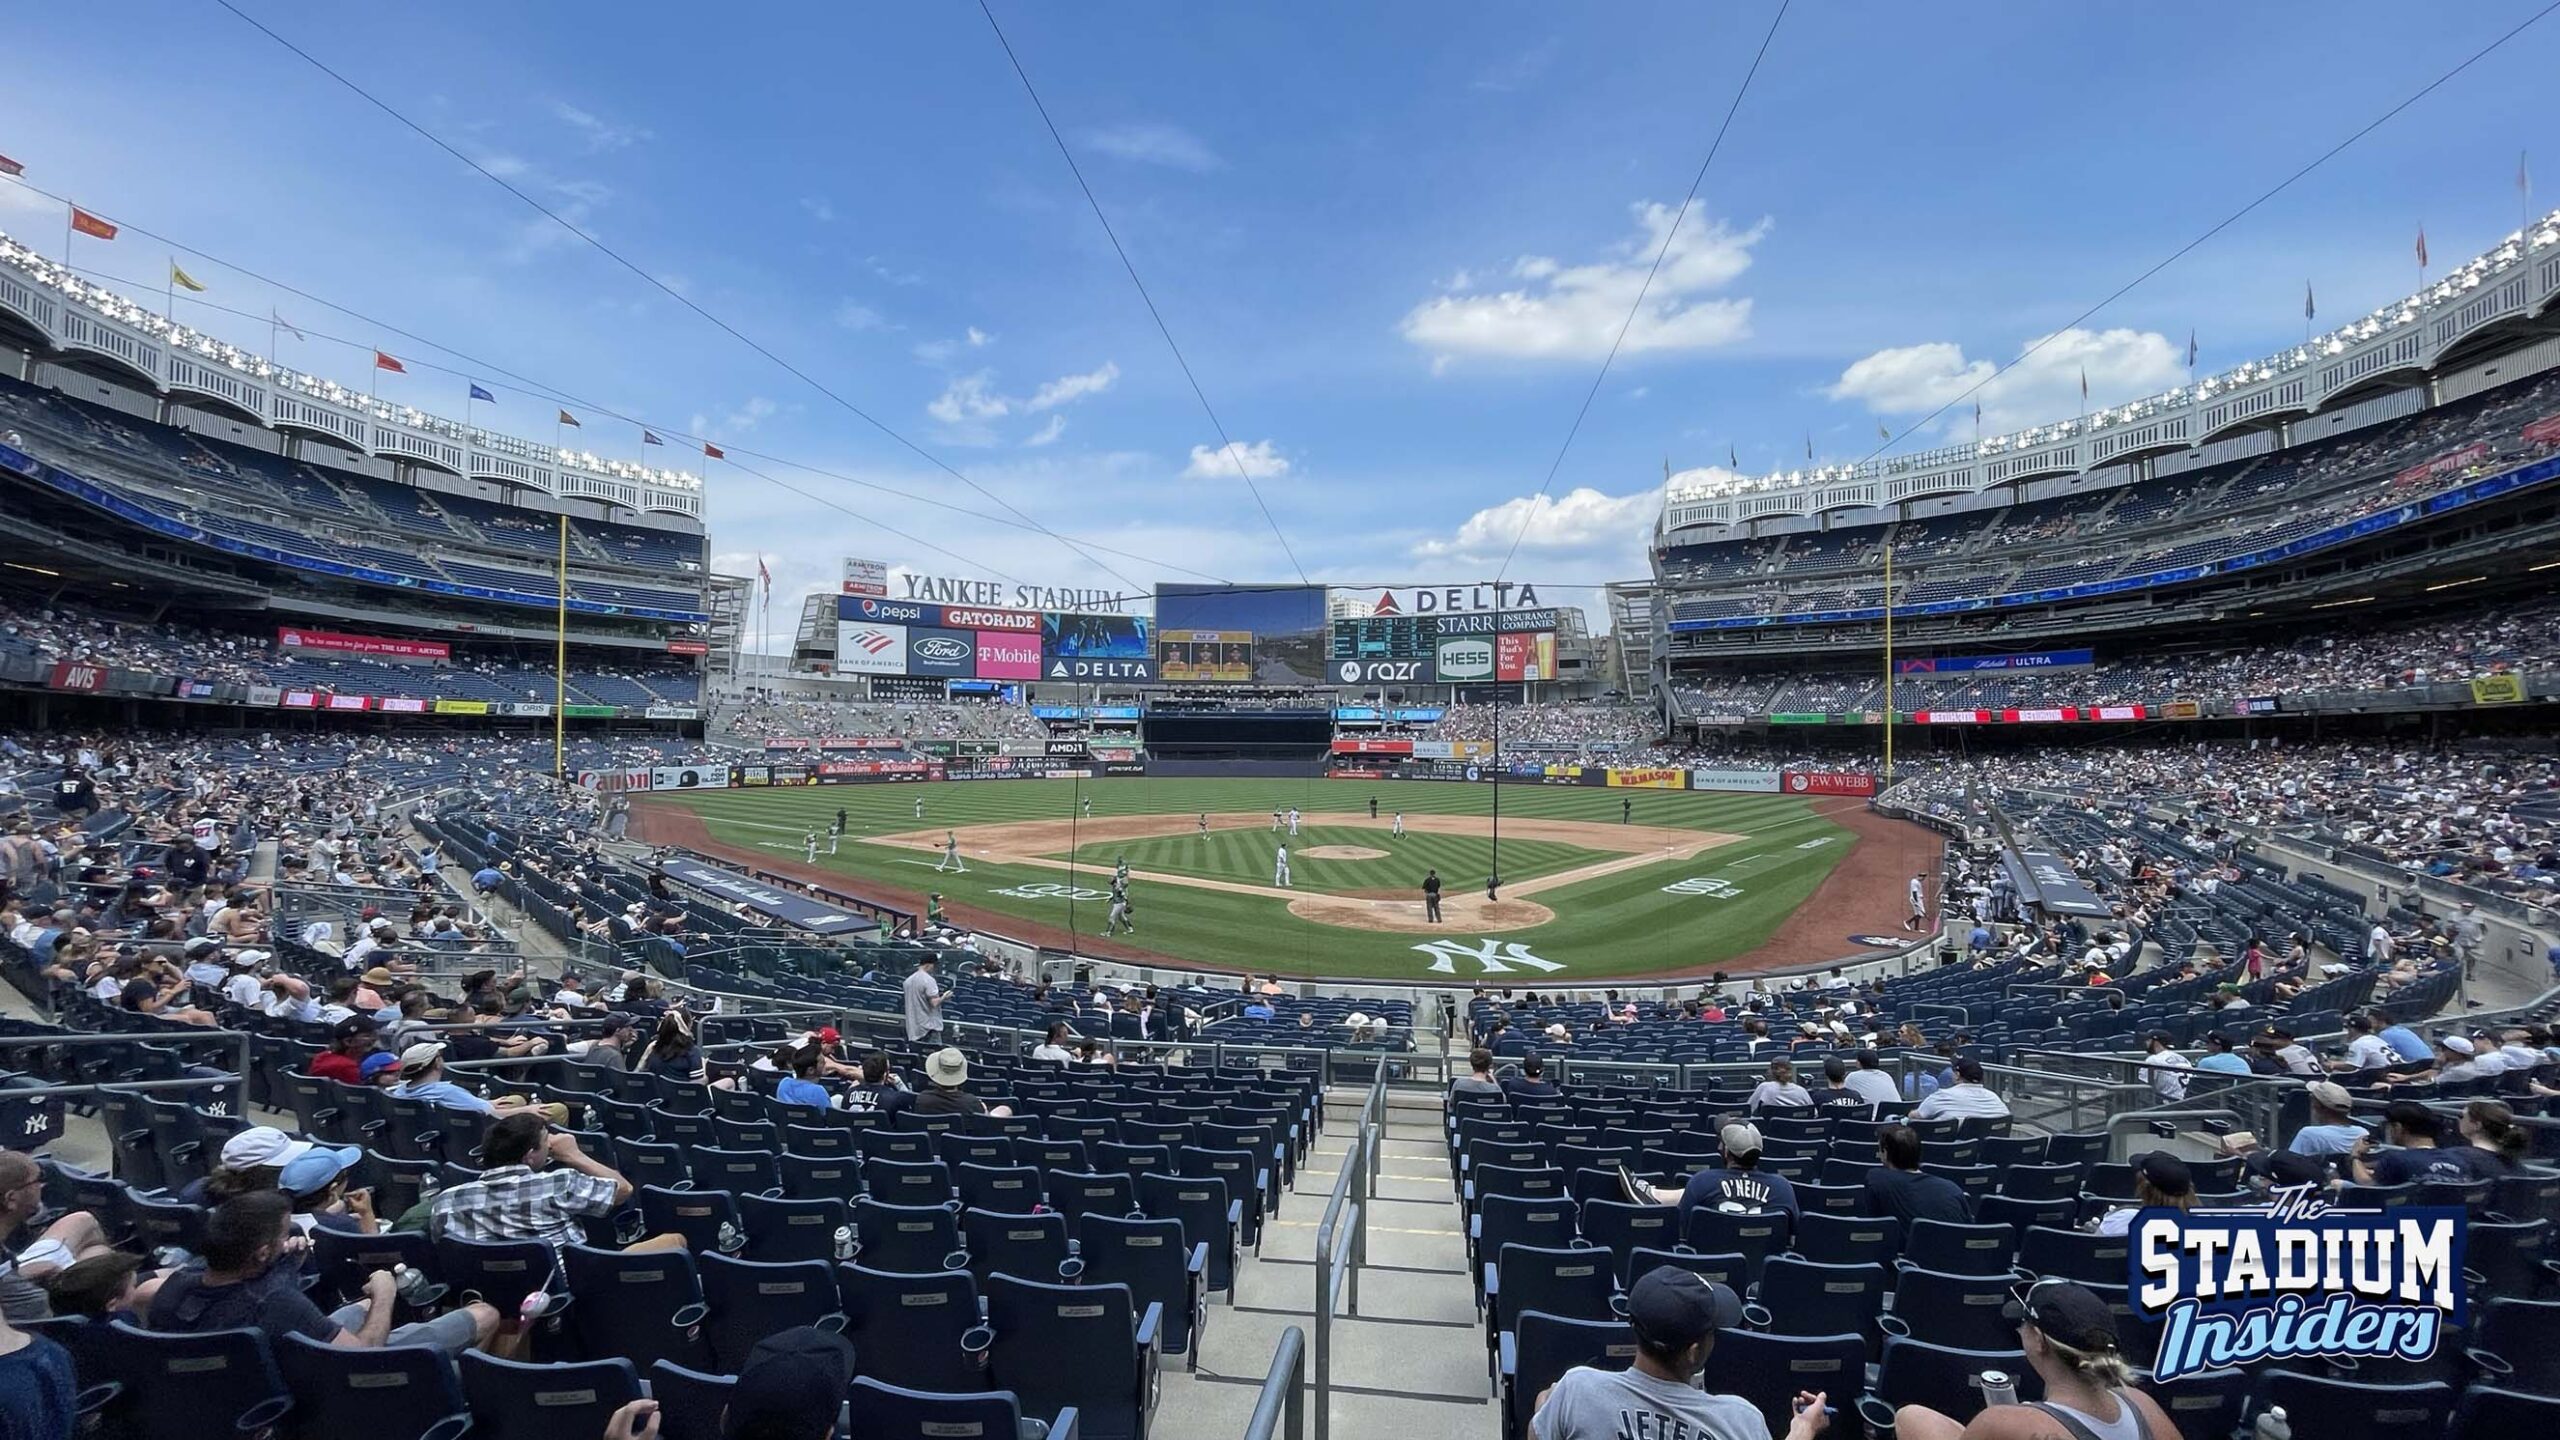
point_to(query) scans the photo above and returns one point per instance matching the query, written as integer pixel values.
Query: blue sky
(1393, 240)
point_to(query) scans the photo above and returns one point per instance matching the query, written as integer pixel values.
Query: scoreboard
(1391, 637)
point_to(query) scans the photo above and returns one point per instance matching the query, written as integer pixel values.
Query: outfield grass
(1621, 923)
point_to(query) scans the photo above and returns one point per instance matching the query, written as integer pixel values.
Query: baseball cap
(2285, 1168)
(261, 1145)
(203, 945)
(420, 1055)
(2458, 1045)
(2167, 1173)
(2066, 1313)
(353, 1026)
(793, 1383)
(378, 975)
(2330, 1095)
(1969, 1069)
(376, 1063)
(1679, 1308)
(311, 1171)
(827, 1035)
(248, 959)
(1741, 1137)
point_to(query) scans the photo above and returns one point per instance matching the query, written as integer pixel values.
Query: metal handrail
(1342, 1239)
(1279, 1412)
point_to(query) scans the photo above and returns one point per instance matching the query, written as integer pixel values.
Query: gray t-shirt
(1590, 1404)
(922, 1018)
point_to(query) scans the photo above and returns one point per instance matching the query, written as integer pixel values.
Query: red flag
(385, 362)
(763, 573)
(11, 167)
(88, 224)
(713, 451)
(2422, 247)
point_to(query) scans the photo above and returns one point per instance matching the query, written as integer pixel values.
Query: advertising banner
(1122, 767)
(402, 705)
(942, 652)
(589, 712)
(1748, 782)
(1372, 747)
(292, 637)
(1829, 782)
(865, 577)
(1384, 672)
(78, 675)
(1242, 634)
(1525, 657)
(1008, 655)
(1073, 749)
(2043, 715)
(1650, 778)
(448, 707)
(1486, 622)
(1453, 749)
(526, 709)
(2183, 710)
(1466, 658)
(1097, 647)
(865, 610)
(2032, 660)
(186, 689)
(2119, 712)
(1418, 715)
(789, 744)
(1799, 717)
(1056, 712)
(688, 647)
(689, 777)
(1114, 753)
(1447, 600)
(856, 772)
(1115, 712)
(673, 712)
(265, 695)
(751, 775)
(2256, 705)
(2544, 431)
(789, 907)
(1950, 717)
(350, 702)
(1721, 720)
(2507, 689)
(925, 688)
(851, 742)
(310, 700)
(865, 648)
(972, 617)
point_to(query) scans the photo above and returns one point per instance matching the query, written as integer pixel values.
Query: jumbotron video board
(1240, 635)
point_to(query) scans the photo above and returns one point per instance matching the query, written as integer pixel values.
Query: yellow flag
(181, 278)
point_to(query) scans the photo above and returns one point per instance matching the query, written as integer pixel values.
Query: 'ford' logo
(942, 648)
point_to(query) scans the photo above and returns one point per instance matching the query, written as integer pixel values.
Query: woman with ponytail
(2069, 1336)
(2491, 1128)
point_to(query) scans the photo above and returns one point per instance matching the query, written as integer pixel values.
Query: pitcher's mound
(1341, 852)
(1467, 913)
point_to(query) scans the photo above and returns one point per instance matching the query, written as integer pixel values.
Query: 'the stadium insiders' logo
(2297, 1280)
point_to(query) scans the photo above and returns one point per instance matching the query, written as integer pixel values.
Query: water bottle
(409, 1283)
(731, 1239)
(1998, 1388)
(2272, 1425)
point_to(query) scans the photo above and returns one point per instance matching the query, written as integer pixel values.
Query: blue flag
(479, 394)
(2308, 309)
(646, 438)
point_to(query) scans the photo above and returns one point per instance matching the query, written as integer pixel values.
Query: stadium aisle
(1411, 1364)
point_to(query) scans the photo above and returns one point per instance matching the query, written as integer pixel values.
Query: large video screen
(1242, 634)
(1096, 647)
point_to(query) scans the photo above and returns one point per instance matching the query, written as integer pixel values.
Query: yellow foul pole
(1888, 656)
(560, 668)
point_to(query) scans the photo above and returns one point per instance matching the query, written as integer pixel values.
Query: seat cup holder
(1071, 1269)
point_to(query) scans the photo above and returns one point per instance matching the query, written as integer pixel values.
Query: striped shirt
(514, 1202)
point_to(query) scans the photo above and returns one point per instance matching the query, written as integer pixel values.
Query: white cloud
(1057, 426)
(1572, 312)
(1149, 144)
(970, 398)
(979, 339)
(1916, 379)
(1260, 460)
(853, 315)
(737, 421)
(600, 134)
(819, 210)
(1582, 521)
(1067, 389)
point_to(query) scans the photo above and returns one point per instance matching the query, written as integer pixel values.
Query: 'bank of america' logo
(873, 642)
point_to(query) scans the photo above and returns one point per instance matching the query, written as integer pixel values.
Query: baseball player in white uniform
(1293, 822)
(1399, 825)
(1275, 822)
(1280, 868)
(919, 807)
(809, 847)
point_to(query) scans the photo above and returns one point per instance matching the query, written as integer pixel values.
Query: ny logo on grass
(1496, 956)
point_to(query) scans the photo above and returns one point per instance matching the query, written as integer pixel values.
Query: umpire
(1431, 897)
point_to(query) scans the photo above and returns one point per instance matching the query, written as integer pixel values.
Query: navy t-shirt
(1737, 1192)
(36, 1392)
(2448, 1165)
(1908, 1195)
(273, 1304)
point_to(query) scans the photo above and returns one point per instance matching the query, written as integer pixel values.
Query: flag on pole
(649, 438)
(570, 420)
(2309, 310)
(1977, 414)
(1732, 458)
(2191, 348)
(182, 279)
(2422, 247)
(713, 452)
(2084, 384)
(2524, 176)
(1881, 432)
(281, 323)
(1808, 444)
(88, 224)
(479, 393)
(11, 167)
(385, 362)
(763, 574)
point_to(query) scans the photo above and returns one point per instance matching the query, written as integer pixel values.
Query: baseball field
(1595, 883)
